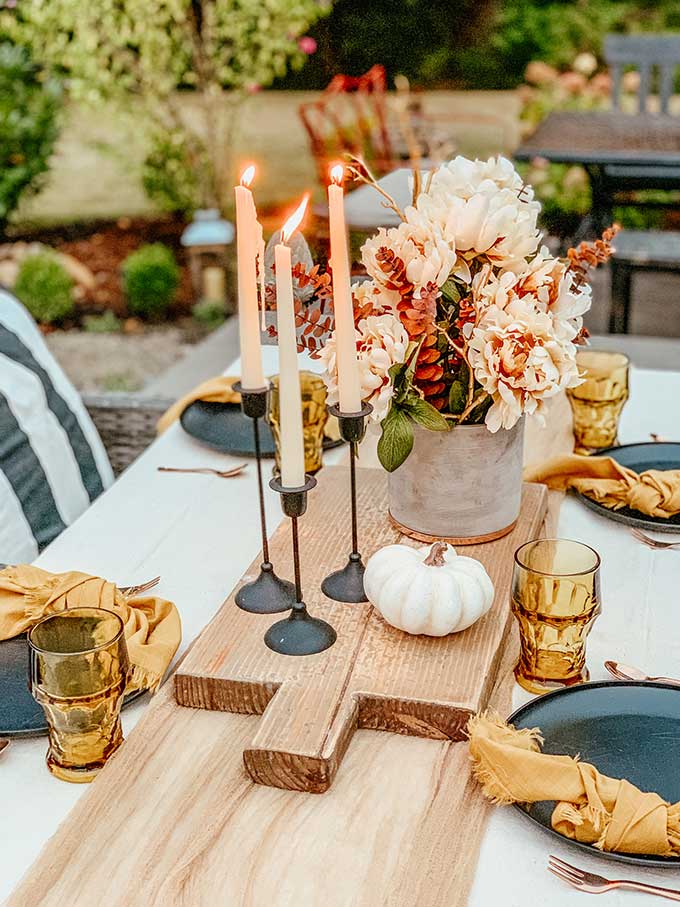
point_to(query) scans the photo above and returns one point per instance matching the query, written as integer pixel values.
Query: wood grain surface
(174, 820)
(374, 676)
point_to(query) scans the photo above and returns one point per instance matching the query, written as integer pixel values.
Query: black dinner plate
(650, 455)
(626, 730)
(20, 714)
(223, 427)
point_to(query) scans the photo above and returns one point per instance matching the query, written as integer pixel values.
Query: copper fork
(207, 471)
(653, 543)
(594, 884)
(130, 591)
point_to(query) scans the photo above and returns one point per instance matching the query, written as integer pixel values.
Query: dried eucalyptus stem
(360, 171)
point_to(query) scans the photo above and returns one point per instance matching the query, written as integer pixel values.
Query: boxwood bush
(45, 288)
(150, 278)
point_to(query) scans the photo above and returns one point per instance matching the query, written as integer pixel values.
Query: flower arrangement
(465, 317)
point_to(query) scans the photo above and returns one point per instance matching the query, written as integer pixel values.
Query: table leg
(620, 301)
(601, 209)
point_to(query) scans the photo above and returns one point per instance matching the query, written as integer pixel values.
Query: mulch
(103, 246)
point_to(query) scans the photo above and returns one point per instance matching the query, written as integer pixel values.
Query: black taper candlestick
(299, 633)
(347, 585)
(268, 594)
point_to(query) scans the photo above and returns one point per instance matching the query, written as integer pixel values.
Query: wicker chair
(126, 424)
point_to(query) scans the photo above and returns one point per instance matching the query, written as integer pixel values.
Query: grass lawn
(95, 173)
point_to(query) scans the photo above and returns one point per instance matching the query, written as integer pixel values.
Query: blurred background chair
(656, 58)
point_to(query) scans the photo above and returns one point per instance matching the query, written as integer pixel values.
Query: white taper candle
(349, 386)
(252, 376)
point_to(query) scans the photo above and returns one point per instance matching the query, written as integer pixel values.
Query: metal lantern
(206, 239)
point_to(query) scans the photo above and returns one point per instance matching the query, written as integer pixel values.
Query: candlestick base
(268, 594)
(300, 634)
(346, 585)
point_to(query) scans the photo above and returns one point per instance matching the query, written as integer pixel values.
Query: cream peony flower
(428, 257)
(381, 343)
(480, 208)
(546, 284)
(368, 292)
(519, 361)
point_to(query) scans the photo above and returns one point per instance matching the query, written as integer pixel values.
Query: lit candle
(349, 386)
(247, 246)
(290, 402)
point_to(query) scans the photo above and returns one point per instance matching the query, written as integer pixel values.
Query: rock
(79, 272)
(8, 272)
(133, 326)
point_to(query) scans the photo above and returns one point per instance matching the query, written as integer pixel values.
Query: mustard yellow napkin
(592, 808)
(153, 630)
(220, 390)
(215, 390)
(654, 492)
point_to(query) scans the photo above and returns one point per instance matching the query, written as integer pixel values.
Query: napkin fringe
(144, 679)
(489, 725)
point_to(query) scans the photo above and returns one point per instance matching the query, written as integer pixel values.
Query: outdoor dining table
(615, 148)
(201, 833)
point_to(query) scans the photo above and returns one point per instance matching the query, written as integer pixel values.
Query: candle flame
(337, 174)
(248, 175)
(295, 219)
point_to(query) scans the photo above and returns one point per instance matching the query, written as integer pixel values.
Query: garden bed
(102, 246)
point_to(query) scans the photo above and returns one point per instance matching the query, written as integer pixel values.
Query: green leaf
(457, 397)
(451, 291)
(426, 415)
(396, 441)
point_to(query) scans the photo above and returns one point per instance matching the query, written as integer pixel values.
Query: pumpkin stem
(436, 556)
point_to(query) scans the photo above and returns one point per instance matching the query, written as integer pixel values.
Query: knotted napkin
(592, 808)
(153, 630)
(215, 390)
(654, 492)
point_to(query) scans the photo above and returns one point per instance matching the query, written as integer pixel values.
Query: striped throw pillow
(52, 461)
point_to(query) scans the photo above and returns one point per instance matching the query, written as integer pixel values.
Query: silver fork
(594, 884)
(653, 543)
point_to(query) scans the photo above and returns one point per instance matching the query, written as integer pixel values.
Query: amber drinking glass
(555, 598)
(314, 417)
(598, 402)
(79, 669)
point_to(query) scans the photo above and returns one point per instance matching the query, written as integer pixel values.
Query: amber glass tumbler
(597, 404)
(556, 599)
(314, 417)
(79, 669)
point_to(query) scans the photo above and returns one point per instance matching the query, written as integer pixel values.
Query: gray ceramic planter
(464, 485)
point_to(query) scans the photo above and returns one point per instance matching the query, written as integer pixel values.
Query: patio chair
(650, 55)
(635, 250)
(53, 461)
(350, 117)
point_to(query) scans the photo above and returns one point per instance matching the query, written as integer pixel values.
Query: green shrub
(150, 278)
(209, 313)
(170, 173)
(106, 323)
(45, 288)
(29, 108)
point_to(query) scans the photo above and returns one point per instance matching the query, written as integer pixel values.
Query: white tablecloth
(199, 533)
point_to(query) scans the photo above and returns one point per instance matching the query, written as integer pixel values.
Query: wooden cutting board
(374, 676)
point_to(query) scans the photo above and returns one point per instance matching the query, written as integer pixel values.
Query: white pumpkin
(432, 591)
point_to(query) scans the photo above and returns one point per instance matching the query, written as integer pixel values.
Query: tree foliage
(29, 126)
(140, 52)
